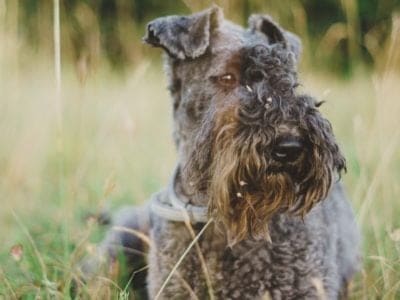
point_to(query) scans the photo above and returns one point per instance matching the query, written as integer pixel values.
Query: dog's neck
(181, 188)
(176, 206)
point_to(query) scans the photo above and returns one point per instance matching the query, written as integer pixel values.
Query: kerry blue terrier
(255, 208)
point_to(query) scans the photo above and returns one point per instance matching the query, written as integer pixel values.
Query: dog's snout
(287, 149)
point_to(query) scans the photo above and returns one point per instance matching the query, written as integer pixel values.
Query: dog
(255, 208)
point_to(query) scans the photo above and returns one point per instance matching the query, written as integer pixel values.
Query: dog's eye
(227, 79)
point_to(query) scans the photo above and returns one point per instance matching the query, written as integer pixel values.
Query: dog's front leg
(127, 241)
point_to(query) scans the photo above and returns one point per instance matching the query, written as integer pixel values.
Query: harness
(168, 205)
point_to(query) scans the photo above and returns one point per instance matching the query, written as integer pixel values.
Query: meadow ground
(112, 146)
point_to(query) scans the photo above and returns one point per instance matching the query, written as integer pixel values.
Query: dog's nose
(287, 149)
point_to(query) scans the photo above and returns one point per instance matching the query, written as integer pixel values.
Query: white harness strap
(173, 209)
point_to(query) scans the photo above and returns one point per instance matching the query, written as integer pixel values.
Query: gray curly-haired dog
(254, 208)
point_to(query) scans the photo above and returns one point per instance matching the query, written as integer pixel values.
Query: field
(114, 147)
(106, 142)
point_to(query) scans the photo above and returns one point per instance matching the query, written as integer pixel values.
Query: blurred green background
(338, 35)
(104, 140)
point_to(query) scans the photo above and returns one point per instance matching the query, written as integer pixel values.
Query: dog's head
(247, 140)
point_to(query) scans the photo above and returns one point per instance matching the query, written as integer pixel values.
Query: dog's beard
(231, 166)
(246, 190)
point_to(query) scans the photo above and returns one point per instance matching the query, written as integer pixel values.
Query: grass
(114, 147)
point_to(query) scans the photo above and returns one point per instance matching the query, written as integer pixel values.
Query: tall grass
(116, 149)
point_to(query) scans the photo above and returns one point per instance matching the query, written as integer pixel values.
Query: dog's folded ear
(275, 33)
(184, 36)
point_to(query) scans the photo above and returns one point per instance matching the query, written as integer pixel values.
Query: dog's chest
(252, 270)
(248, 270)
